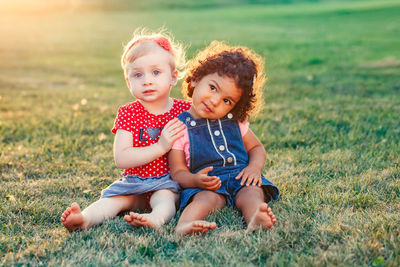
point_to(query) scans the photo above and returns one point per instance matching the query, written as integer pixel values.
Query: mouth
(149, 92)
(207, 108)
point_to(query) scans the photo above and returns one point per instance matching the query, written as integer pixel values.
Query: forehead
(150, 61)
(151, 50)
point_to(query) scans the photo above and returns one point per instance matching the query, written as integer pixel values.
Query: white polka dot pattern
(144, 126)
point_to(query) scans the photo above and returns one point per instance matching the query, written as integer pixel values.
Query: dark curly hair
(240, 63)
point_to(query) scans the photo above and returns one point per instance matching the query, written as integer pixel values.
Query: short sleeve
(179, 144)
(124, 120)
(244, 127)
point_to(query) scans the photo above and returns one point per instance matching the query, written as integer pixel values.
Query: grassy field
(331, 127)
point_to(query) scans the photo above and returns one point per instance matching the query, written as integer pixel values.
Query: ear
(174, 79)
(193, 83)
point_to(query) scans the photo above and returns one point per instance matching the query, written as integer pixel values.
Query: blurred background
(330, 126)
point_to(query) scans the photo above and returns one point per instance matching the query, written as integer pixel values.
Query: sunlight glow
(46, 6)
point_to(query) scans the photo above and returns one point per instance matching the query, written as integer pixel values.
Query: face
(214, 96)
(150, 76)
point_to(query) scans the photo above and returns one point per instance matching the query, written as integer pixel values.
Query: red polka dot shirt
(146, 129)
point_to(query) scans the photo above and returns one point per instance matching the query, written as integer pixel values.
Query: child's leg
(192, 217)
(250, 200)
(163, 207)
(99, 211)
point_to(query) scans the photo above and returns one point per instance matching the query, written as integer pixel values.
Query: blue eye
(213, 88)
(156, 72)
(137, 75)
(227, 101)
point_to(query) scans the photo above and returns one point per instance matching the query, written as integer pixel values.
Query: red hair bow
(164, 43)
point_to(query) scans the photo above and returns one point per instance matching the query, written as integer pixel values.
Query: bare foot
(72, 218)
(262, 219)
(142, 220)
(194, 227)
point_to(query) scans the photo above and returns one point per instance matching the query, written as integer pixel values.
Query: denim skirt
(136, 185)
(229, 187)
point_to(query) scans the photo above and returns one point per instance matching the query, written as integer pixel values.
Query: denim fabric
(136, 185)
(219, 143)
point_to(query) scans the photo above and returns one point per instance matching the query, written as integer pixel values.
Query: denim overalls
(219, 143)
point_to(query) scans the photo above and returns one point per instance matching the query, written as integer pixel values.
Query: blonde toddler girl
(144, 132)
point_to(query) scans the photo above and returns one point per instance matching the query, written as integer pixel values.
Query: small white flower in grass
(75, 107)
(310, 77)
(102, 137)
(83, 101)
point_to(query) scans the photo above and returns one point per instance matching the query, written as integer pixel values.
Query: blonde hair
(142, 43)
(240, 63)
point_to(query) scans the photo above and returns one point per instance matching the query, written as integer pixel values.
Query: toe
(75, 207)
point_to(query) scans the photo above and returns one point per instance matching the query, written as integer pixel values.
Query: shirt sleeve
(180, 143)
(124, 120)
(244, 127)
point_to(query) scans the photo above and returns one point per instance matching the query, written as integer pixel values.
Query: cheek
(228, 109)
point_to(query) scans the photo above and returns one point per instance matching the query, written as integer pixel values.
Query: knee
(249, 194)
(164, 195)
(214, 200)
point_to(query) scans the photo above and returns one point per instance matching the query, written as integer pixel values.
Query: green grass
(330, 126)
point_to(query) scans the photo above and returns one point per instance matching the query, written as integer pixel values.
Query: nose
(215, 100)
(147, 80)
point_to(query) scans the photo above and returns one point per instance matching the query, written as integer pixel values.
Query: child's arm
(126, 156)
(180, 173)
(251, 175)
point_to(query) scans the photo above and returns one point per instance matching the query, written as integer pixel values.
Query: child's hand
(250, 176)
(207, 182)
(171, 132)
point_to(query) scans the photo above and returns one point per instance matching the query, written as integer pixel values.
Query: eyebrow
(230, 98)
(139, 68)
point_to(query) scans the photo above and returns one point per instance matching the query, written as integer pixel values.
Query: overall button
(230, 159)
(216, 133)
(230, 116)
(188, 119)
(192, 123)
(221, 147)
